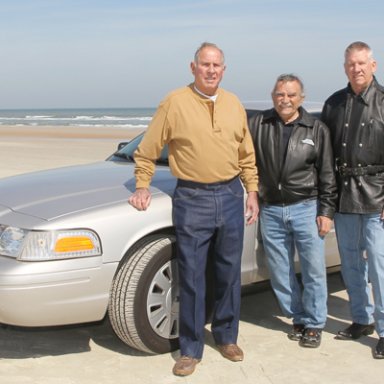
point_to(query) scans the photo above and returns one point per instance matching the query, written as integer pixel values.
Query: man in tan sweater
(211, 154)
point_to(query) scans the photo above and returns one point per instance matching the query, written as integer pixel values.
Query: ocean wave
(128, 126)
(74, 118)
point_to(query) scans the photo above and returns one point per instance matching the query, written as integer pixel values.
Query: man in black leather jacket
(297, 196)
(355, 116)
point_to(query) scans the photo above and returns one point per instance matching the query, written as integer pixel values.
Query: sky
(131, 53)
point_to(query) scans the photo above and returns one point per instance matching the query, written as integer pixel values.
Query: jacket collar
(368, 93)
(305, 119)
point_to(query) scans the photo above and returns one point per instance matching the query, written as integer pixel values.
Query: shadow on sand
(259, 307)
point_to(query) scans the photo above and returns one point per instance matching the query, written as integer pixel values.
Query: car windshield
(126, 151)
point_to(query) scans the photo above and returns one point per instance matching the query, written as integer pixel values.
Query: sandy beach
(30, 148)
(66, 132)
(92, 354)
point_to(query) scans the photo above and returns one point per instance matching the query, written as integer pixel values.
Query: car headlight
(28, 245)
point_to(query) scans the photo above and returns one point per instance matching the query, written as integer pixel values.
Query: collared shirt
(207, 141)
(287, 131)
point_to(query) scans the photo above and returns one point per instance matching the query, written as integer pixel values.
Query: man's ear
(193, 67)
(374, 66)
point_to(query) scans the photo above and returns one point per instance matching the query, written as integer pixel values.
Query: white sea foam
(114, 117)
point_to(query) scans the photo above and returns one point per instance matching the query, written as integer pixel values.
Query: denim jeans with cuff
(360, 239)
(208, 215)
(284, 229)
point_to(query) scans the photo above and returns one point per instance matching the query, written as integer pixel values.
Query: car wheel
(144, 303)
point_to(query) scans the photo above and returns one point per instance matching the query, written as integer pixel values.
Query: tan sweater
(208, 141)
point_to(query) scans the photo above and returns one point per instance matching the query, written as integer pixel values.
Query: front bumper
(54, 292)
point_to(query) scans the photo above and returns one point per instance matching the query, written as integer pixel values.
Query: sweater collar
(202, 95)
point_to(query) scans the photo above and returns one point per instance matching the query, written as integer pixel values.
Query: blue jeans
(208, 215)
(284, 229)
(360, 239)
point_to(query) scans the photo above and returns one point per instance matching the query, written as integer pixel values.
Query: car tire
(144, 303)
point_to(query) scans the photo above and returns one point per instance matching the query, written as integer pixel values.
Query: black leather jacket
(358, 144)
(307, 171)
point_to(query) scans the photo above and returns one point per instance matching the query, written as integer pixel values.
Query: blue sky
(123, 53)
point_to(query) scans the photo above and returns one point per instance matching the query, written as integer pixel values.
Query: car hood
(61, 191)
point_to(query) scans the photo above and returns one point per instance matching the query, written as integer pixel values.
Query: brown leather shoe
(185, 366)
(231, 352)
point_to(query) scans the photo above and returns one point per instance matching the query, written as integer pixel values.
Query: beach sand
(31, 148)
(91, 353)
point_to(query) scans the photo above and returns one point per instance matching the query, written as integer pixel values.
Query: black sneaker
(379, 350)
(311, 338)
(296, 332)
(355, 331)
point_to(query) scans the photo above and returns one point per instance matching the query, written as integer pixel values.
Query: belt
(197, 185)
(361, 171)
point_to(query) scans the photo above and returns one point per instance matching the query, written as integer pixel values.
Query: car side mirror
(121, 145)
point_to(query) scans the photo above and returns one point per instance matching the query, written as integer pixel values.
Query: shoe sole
(294, 337)
(310, 345)
(183, 373)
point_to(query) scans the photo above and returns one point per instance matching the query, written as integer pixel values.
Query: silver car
(72, 249)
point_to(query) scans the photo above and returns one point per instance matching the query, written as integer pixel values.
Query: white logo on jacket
(308, 141)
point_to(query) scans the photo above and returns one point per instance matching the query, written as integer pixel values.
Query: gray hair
(284, 78)
(208, 45)
(358, 46)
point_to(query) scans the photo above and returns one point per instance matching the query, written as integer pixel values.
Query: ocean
(84, 117)
(101, 117)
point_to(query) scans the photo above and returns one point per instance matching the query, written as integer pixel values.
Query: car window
(126, 151)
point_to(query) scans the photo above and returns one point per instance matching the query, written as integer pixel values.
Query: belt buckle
(341, 170)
